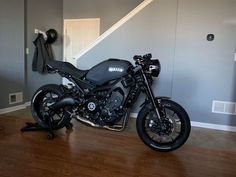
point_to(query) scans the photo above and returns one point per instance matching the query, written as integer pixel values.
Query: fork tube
(151, 95)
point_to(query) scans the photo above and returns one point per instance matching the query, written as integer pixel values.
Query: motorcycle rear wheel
(43, 98)
(174, 131)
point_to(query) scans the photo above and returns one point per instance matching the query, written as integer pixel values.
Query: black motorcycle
(103, 97)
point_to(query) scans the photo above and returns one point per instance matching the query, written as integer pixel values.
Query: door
(78, 34)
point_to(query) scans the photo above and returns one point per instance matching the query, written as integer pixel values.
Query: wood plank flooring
(89, 152)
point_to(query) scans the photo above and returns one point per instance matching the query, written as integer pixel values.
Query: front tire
(172, 133)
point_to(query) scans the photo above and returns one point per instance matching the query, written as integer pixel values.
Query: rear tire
(43, 98)
(176, 126)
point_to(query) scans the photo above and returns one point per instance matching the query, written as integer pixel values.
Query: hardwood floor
(87, 152)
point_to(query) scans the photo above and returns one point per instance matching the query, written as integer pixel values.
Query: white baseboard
(133, 115)
(213, 126)
(204, 125)
(14, 108)
(27, 104)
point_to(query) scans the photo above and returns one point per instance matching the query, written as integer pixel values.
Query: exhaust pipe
(63, 102)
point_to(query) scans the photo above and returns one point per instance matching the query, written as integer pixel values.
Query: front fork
(150, 94)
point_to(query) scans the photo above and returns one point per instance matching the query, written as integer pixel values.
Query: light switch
(27, 51)
(36, 31)
(234, 56)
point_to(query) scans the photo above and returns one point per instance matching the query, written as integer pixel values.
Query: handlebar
(147, 64)
(144, 57)
(141, 60)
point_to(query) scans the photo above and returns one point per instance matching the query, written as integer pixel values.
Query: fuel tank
(108, 70)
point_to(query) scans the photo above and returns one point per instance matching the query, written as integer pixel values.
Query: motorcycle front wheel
(171, 133)
(43, 98)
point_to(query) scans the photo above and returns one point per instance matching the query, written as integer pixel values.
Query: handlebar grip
(136, 57)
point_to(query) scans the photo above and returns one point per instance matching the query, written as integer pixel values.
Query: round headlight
(155, 68)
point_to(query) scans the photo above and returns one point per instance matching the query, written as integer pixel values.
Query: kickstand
(36, 127)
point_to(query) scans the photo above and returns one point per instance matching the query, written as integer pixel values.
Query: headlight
(155, 68)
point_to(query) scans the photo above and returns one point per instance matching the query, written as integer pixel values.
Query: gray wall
(17, 18)
(205, 71)
(109, 11)
(194, 71)
(16, 69)
(42, 15)
(151, 30)
(11, 48)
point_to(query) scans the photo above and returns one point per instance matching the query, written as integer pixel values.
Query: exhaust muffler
(63, 102)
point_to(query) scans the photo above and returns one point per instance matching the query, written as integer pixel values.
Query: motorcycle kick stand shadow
(36, 127)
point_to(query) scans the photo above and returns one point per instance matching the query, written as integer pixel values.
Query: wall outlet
(15, 98)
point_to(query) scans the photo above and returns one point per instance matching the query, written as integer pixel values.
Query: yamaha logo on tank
(114, 69)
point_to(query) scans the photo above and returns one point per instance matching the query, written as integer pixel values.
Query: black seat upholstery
(67, 68)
